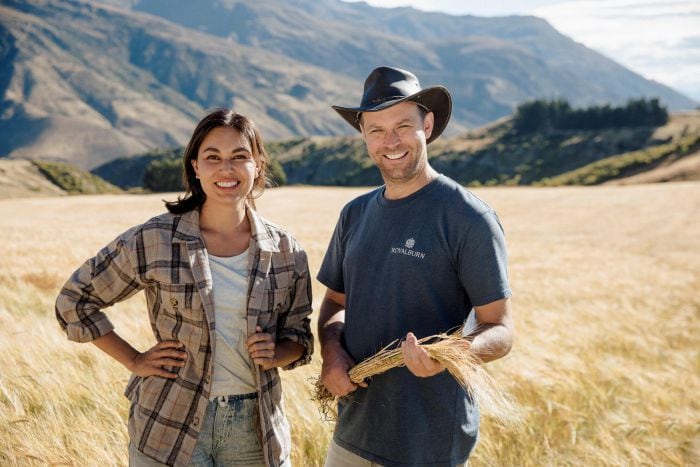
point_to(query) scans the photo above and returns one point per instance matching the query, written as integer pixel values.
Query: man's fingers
(337, 381)
(340, 390)
(417, 359)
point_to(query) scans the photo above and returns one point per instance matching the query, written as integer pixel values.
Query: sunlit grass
(605, 368)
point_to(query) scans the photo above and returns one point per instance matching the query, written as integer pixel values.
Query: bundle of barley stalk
(453, 351)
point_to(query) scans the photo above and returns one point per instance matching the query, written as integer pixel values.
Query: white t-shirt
(233, 367)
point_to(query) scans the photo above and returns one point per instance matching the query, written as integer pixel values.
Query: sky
(658, 39)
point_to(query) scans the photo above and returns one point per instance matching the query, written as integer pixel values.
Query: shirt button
(207, 379)
(196, 421)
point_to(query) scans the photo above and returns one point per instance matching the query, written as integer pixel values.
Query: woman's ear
(194, 166)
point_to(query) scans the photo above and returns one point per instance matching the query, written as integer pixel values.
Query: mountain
(489, 64)
(88, 81)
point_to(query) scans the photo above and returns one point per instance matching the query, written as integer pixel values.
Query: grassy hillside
(627, 164)
(604, 367)
(127, 172)
(491, 155)
(498, 155)
(74, 181)
(24, 178)
(21, 179)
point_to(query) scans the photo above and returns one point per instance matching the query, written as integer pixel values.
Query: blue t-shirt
(415, 264)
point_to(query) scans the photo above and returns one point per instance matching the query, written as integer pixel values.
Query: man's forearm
(330, 338)
(492, 341)
(331, 322)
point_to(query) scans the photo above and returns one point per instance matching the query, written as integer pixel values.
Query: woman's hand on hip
(153, 361)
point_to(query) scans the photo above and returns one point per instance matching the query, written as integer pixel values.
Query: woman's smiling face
(225, 166)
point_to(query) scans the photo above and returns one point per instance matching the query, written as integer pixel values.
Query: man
(407, 260)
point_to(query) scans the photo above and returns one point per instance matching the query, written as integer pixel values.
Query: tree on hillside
(543, 115)
(164, 174)
(276, 173)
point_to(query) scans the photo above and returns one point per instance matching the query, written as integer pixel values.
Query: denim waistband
(235, 397)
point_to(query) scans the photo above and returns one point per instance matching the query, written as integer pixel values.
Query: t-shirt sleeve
(483, 261)
(331, 272)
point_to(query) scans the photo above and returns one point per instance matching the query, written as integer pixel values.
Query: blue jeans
(227, 437)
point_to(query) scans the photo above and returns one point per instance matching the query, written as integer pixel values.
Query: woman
(229, 298)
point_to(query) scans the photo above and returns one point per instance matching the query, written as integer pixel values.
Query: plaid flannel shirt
(166, 258)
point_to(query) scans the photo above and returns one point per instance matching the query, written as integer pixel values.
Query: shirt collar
(187, 230)
(261, 233)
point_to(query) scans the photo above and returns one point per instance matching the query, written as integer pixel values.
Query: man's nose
(391, 138)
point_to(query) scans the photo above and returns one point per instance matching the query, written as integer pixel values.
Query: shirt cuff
(93, 326)
(301, 338)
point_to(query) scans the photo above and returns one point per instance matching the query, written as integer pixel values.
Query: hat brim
(436, 99)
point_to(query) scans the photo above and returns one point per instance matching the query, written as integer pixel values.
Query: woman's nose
(227, 164)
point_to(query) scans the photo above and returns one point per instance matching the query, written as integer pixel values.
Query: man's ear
(428, 124)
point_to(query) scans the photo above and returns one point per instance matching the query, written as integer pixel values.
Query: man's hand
(334, 372)
(417, 359)
(336, 360)
(152, 361)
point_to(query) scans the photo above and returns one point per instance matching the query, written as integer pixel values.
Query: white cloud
(658, 39)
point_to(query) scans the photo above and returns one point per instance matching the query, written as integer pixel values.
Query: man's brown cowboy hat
(387, 86)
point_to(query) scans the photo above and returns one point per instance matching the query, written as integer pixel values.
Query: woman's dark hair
(194, 194)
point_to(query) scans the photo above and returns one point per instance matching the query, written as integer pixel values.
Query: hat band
(381, 100)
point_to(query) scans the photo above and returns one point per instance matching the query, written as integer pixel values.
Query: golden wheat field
(605, 369)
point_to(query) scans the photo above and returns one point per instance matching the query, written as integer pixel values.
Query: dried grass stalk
(450, 349)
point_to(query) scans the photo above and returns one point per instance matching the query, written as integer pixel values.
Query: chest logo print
(407, 249)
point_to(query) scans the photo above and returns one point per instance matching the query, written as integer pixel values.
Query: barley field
(605, 369)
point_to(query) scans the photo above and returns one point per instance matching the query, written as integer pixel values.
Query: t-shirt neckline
(395, 203)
